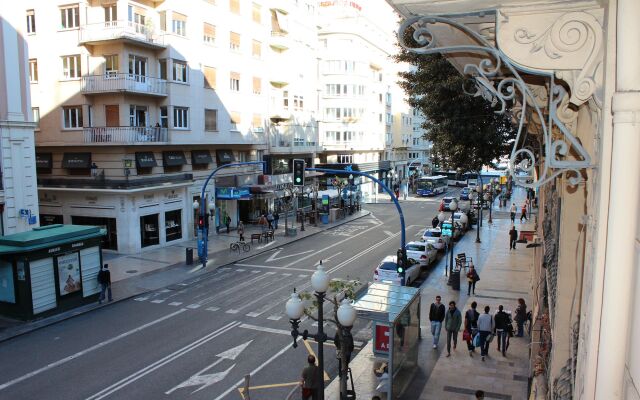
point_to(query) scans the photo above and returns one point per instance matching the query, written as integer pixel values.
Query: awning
(173, 158)
(43, 160)
(146, 159)
(76, 160)
(224, 157)
(201, 157)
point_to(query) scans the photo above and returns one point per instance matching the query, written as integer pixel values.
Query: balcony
(123, 31)
(99, 182)
(125, 135)
(287, 144)
(280, 40)
(121, 82)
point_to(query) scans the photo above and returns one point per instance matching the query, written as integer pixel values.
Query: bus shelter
(395, 313)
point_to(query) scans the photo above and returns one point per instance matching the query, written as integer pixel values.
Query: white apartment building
(18, 188)
(354, 78)
(419, 147)
(138, 101)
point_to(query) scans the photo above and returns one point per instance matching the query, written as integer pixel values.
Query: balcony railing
(121, 82)
(99, 182)
(118, 30)
(125, 135)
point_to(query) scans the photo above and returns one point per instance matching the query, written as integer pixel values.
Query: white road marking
(329, 258)
(193, 306)
(274, 256)
(269, 267)
(389, 233)
(175, 303)
(267, 245)
(269, 273)
(265, 329)
(158, 301)
(160, 363)
(252, 314)
(141, 298)
(88, 350)
(213, 308)
(254, 271)
(303, 275)
(240, 270)
(165, 291)
(275, 317)
(286, 274)
(232, 311)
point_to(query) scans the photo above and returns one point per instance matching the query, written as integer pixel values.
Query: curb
(75, 313)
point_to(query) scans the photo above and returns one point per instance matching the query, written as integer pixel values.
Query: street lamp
(453, 206)
(473, 195)
(441, 218)
(344, 344)
(350, 194)
(488, 197)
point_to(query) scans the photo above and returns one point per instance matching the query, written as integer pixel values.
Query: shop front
(49, 270)
(369, 189)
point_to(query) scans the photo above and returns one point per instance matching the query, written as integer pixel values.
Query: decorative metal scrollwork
(499, 81)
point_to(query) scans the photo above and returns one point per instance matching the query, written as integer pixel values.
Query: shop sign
(382, 338)
(344, 3)
(172, 196)
(232, 193)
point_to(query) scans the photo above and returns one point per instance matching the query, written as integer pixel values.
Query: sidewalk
(132, 275)
(505, 276)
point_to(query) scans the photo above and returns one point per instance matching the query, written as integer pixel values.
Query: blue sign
(446, 229)
(200, 248)
(232, 193)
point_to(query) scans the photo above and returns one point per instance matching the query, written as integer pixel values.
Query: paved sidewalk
(153, 269)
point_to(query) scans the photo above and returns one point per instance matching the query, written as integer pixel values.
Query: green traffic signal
(400, 270)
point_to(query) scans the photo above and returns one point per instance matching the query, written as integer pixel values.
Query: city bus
(431, 185)
(453, 178)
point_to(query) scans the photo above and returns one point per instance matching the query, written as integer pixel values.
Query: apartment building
(355, 75)
(137, 101)
(18, 188)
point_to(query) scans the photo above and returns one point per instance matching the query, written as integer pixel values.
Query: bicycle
(240, 245)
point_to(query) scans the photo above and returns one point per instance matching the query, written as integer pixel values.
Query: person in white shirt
(485, 327)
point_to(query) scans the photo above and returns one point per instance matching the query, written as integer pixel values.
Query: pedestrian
(263, 223)
(309, 380)
(485, 328)
(472, 278)
(435, 222)
(479, 394)
(523, 212)
(502, 321)
(471, 325)
(104, 279)
(513, 237)
(270, 220)
(452, 323)
(513, 213)
(521, 316)
(276, 217)
(227, 221)
(241, 231)
(436, 316)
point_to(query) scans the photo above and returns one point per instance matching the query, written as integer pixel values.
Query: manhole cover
(132, 271)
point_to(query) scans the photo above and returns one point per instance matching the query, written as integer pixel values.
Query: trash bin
(454, 280)
(325, 218)
(189, 255)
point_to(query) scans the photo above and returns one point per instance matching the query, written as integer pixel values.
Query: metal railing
(102, 183)
(121, 29)
(125, 134)
(118, 82)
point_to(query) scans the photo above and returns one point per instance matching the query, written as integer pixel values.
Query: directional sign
(206, 380)
(446, 229)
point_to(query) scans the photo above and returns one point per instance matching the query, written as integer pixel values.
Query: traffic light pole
(393, 198)
(203, 240)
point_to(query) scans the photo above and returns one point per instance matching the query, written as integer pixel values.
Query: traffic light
(201, 221)
(400, 263)
(298, 172)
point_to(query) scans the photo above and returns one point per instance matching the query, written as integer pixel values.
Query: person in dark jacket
(502, 321)
(513, 237)
(104, 279)
(452, 323)
(472, 278)
(471, 325)
(436, 316)
(435, 222)
(521, 316)
(310, 379)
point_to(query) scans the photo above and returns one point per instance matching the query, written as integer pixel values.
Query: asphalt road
(198, 339)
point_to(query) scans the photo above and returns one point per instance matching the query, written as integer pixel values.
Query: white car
(422, 253)
(387, 271)
(462, 219)
(434, 237)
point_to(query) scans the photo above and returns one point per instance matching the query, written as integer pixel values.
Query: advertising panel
(69, 273)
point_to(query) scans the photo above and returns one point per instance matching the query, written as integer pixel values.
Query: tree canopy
(465, 131)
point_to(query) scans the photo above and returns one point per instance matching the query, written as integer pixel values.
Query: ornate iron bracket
(498, 80)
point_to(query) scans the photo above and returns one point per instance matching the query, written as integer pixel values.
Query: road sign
(446, 229)
(381, 338)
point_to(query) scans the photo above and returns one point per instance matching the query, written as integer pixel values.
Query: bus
(454, 178)
(431, 185)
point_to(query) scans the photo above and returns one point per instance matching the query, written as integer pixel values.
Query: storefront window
(110, 240)
(7, 290)
(173, 225)
(149, 230)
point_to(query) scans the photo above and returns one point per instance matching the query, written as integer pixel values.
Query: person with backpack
(521, 316)
(263, 223)
(104, 279)
(472, 278)
(436, 316)
(452, 323)
(513, 237)
(471, 326)
(502, 321)
(485, 329)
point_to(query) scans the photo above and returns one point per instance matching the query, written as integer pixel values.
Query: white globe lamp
(294, 306)
(320, 280)
(346, 313)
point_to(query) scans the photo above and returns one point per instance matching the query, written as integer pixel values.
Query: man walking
(276, 217)
(523, 212)
(270, 220)
(513, 213)
(452, 323)
(309, 380)
(502, 321)
(513, 237)
(485, 327)
(436, 316)
(471, 325)
(104, 279)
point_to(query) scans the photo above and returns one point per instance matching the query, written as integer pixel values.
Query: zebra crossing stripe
(275, 317)
(158, 301)
(193, 306)
(175, 303)
(213, 308)
(141, 299)
(252, 314)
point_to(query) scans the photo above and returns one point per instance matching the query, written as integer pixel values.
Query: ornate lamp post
(441, 218)
(489, 199)
(350, 194)
(473, 195)
(453, 206)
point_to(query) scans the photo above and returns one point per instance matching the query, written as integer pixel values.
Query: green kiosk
(49, 269)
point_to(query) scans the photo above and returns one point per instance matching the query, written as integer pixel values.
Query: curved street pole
(204, 231)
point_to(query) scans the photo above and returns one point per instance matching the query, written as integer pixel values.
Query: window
(256, 122)
(181, 117)
(285, 99)
(136, 16)
(110, 15)
(33, 70)
(179, 71)
(71, 67)
(234, 41)
(211, 120)
(111, 65)
(209, 34)
(256, 13)
(179, 25)
(345, 158)
(164, 117)
(234, 82)
(69, 17)
(163, 69)
(256, 49)
(332, 136)
(210, 77)
(72, 117)
(257, 85)
(234, 6)
(35, 111)
(234, 118)
(138, 116)
(31, 22)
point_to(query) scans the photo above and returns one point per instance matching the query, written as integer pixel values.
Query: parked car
(422, 253)
(447, 200)
(462, 219)
(464, 193)
(387, 272)
(434, 237)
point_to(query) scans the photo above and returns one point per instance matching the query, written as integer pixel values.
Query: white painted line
(253, 271)
(285, 274)
(213, 308)
(305, 275)
(269, 273)
(193, 306)
(160, 363)
(141, 298)
(232, 311)
(265, 329)
(158, 301)
(329, 258)
(274, 256)
(252, 314)
(267, 245)
(88, 350)
(275, 317)
(175, 303)
(270, 267)
(240, 270)
(389, 233)
(165, 291)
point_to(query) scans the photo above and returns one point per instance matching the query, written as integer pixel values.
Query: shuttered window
(210, 77)
(255, 13)
(257, 121)
(235, 117)
(234, 41)
(209, 36)
(257, 85)
(234, 6)
(234, 81)
(256, 49)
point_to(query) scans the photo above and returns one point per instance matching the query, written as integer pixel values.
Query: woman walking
(472, 278)
(521, 316)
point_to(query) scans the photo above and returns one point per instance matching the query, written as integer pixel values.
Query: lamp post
(350, 194)
(441, 218)
(453, 206)
(473, 196)
(489, 199)
(301, 214)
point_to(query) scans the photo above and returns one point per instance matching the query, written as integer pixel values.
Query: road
(198, 339)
